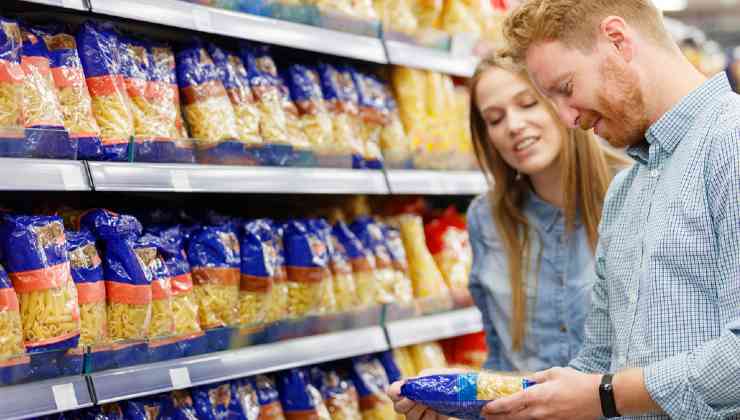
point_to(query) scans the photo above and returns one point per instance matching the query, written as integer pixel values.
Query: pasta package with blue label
(142, 409)
(278, 307)
(258, 271)
(177, 405)
(402, 288)
(269, 399)
(371, 382)
(340, 396)
(300, 399)
(206, 105)
(11, 80)
(162, 323)
(305, 90)
(345, 290)
(372, 238)
(266, 88)
(213, 253)
(35, 249)
(216, 402)
(11, 331)
(234, 76)
(373, 114)
(462, 395)
(346, 140)
(351, 102)
(99, 50)
(128, 279)
(394, 142)
(244, 393)
(74, 98)
(87, 272)
(167, 94)
(309, 278)
(363, 265)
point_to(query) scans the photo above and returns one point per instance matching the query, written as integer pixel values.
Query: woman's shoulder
(480, 219)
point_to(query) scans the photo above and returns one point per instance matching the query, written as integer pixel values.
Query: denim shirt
(558, 287)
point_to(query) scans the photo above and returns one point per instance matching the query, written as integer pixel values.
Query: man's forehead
(545, 63)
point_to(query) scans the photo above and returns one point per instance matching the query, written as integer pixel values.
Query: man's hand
(560, 394)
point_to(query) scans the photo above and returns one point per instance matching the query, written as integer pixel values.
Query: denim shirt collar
(545, 214)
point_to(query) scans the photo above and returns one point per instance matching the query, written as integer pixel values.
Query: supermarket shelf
(241, 25)
(436, 182)
(434, 327)
(234, 179)
(67, 4)
(182, 373)
(409, 55)
(46, 397)
(42, 175)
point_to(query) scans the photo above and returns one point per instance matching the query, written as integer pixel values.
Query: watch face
(607, 387)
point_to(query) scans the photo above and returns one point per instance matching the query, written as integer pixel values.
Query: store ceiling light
(671, 5)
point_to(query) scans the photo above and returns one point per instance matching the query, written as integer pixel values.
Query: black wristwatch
(606, 394)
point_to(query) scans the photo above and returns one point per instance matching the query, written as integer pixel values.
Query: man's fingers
(416, 413)
(512, 404)
(404, 405)
(394, 391)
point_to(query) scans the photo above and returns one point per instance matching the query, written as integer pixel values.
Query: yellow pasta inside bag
(185, 310)
(307, 296)
(11, 85)
(50, 314)
(425, 276)
(11, 332)
(163, 315)
(254, 299)
(211, 120)
(40, 103)
(87, 273)
(217, 291)
(405, 363)
(428, 356)
(277, 307)
(128, 321)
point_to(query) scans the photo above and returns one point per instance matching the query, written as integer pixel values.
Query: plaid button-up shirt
(667, 294)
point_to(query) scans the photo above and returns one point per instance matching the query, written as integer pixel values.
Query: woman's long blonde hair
(587, 170)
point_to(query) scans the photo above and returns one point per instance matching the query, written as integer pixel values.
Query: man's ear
(615, 31)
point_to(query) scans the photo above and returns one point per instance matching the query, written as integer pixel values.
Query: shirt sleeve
(705, 383)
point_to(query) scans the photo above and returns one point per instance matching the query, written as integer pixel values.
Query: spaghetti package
(206, 105)
(425, 276)
(345, 137)
(99, 50)
(162, 323)
(309, 277)
(42, 113)
(345, 290)
(394, 143)
(447, 239)
(459, 18)
(35, 251)
(373, 115)
(258, 271)
(128, 278)
(177, 405)
(11, 82)
(166, 97)
(213, 253)
(216, 402)
(402, 288)
(278, 307)
(269, 399)
(462, 395)
(74, 98)
(371, 382)
(428, 356)
(440, 115)
(87, 273)
(371, 235)
(13, 363)
(234, 76)
(184, 302)
(363, 265)
(300, 399)
(305, 91)
(340, 396)
(265, 85)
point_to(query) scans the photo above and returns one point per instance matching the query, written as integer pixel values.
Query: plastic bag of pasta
(214, 402)
(213, 253)
(74, 98)
(258, 271)
(371, 382)
(99, 50)
(87, 272)
(425, 276)
(42, 113)
(344, 135)
(402, 288)
(162, 323)
(363, 265)
(278, 307)
(393, 140)
(427, 12)
(371, 235)
(373, 115)
(128, 279)
(148, 408)
(409, 87)
(404, 362)
(184, 302)
(177, 405)
(244, 392)
(299, 398)
(35, 251)
(307, 265)
(11, 84)
(305, 90)
(447, 239)
(428, 356)
(234, 76)
(166, 96)
(351, 102)
(13, 363)
(293, 123)
(462, 395)
(206, 105)
(269, 399)
(340, 396)
(397, 16)
(345, 291)
(265, 85)
(458, 18)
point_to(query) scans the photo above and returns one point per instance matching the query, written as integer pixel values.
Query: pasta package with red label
(363, 265)
(300, 399)
(345, 290)
(309, 278)
(305, 90)
(269, 399)
(35, 249)
(447, 239)
(371, 382)
(345, 137)
(234, 76)
(372, 238)
(74, 98)
(128, 279)
(258, 271)
(206, 105)
(42, 114)
(373, 115)
(11, 331)
(214, 256)
(162, 323)
(87, 272)
(99, 50)
(11, 80)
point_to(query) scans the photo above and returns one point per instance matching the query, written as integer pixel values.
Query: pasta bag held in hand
(462, 395)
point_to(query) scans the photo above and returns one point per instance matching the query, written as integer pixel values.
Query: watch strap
(606, 395)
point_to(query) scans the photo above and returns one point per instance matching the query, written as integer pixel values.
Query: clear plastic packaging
(394, 142)
(300, 399)
(163, 316)
(11, 84)
(448, 241)
(363, 265)
(372, 238)
(409, 88)
(269, 399)
(405, 363)
(35, 251)
(278, 308)
(245, 392)
(345, 291)
(11, 331)
(402, 287)
(178, 405)
(371, 382)
(340, 396)
(345, 137)
(87, 272)
(216, 402)
(397, 16)
(428, 356)
(373, 114)
(258, 271)
(425, 276)
(305, 91)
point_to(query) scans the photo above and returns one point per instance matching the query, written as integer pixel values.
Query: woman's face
(518, 123)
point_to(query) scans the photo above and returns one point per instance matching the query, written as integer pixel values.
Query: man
(666, 305)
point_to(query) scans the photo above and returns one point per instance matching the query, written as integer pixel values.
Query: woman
(535, 232)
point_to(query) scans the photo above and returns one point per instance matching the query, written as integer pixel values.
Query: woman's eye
(494, 122)
(529, 104)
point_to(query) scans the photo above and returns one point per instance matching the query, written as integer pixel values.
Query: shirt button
(633, 297)
(622, 361)
(563, 328)
(654, 173)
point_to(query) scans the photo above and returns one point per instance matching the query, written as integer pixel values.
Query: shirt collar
(672, 127)
(545, 213)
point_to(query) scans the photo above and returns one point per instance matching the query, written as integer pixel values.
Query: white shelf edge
(410, 55)
(434, 327)
(428, 182)
(37, 398)
(42, 175)
(67, 4)
(142, 380)
(245, 26)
